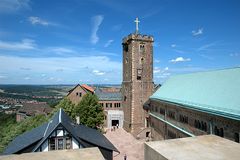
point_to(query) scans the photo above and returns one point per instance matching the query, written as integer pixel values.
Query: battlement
(138, 37)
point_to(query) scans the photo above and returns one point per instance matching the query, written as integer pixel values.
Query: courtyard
(126, 144)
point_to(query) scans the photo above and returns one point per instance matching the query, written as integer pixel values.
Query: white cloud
(74, 68)
(27, 78)
(3, 77)
(25, 68)
(173, 45)
(180, 59)
(197, 32)
(37, 20)
(25, 44)
(9, 6)
(157, 61)
(61, 50)
(234, 54)
(98, 73)
(109, 42)
(161, 74)
(96, 22)
(207, 47)
(156, 70)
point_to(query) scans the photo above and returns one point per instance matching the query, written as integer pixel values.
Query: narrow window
(76, 93)
(139, 74)
(142, 48)
(52, 145)
(60, 144)
(162, 111)
(171, 114)
(80, 94)
(236, 137)
(221, 132)
(216, 131)
(125, 47)
(68, 143)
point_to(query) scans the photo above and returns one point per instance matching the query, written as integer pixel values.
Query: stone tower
(137, 85)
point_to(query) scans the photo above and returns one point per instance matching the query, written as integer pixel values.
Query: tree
(90, 111)
(68, 107)
(10, 129)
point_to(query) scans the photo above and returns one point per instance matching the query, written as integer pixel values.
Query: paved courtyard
(126, 144)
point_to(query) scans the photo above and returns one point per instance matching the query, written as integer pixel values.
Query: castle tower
(137, 85)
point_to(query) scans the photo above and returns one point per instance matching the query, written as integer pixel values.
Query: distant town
(13, 96)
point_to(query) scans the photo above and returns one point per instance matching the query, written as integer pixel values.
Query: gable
(38, 137)
(75, 96)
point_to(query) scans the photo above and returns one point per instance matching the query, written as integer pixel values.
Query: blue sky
(79, 41)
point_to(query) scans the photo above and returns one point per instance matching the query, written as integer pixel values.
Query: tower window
(142, 48)
(139, 74)
(125, 47)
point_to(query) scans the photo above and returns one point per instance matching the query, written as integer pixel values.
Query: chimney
(78, 120)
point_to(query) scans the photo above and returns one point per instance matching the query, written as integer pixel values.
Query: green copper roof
(216, 92)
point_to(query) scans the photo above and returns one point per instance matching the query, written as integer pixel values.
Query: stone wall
(197, 123)
(137, 83)
(76, 95)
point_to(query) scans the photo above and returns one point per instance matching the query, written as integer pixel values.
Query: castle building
(137, 83)
(75, 95)
(60, 133)
(112, 105)
(196, 104)
(109, 99)
(32, 109)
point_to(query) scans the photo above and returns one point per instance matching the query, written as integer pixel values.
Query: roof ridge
(207, 71)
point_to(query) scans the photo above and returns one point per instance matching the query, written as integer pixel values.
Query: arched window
(216, 131)
(142, 48)
(221, 132)
(236, 137)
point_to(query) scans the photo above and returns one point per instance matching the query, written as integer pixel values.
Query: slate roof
(24, 140)
(215, 92)
(108, 96)
(40, 134)
(35, 108)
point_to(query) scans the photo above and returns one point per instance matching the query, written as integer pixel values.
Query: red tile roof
(88, 88)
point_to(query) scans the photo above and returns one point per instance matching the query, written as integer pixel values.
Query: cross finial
(137, 21)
